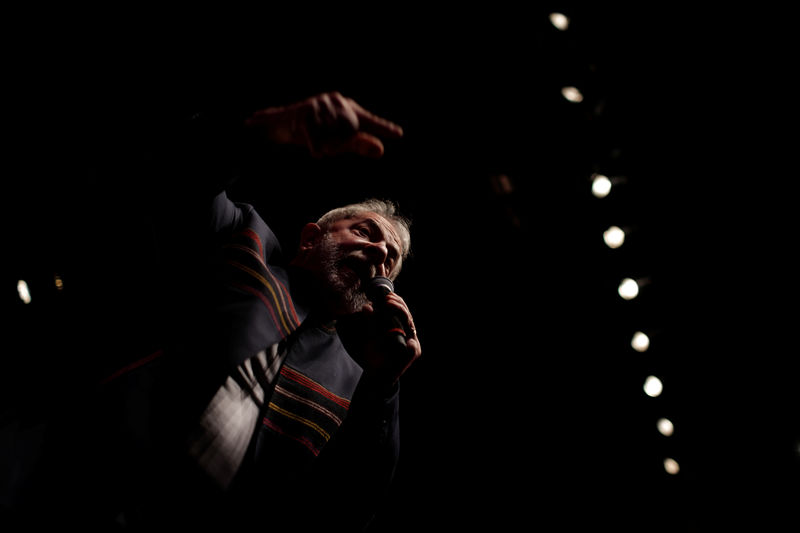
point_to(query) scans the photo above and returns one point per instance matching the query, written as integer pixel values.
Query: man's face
(355, 250)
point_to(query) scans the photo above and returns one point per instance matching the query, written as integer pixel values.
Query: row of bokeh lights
(628, 288)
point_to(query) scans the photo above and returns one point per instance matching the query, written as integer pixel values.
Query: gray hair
(385, 208)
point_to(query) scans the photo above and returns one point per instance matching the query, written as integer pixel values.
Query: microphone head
(378, 287)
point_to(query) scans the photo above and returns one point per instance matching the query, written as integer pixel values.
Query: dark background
(527, 407)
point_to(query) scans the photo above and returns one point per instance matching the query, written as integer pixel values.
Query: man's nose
(377, 252)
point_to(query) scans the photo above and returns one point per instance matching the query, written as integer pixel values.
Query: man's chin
(353, 301)
(347, 289)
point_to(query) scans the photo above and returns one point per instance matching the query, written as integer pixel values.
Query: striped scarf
(289, 398)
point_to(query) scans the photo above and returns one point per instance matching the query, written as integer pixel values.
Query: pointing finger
(374, 124)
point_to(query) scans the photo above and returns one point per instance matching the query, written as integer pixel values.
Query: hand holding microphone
(390, 319)
(396, 345)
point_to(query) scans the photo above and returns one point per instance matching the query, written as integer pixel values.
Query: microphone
(389, 319)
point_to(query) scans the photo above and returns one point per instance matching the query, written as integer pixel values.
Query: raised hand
(327, 124)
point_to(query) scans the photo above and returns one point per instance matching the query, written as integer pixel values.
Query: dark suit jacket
(324, 449)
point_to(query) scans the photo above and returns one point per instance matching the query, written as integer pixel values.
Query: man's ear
(310, 235)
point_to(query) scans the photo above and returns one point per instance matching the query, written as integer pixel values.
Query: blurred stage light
(559, 20)
(653, 386)
(59, 282)
(614, 237)
(601, 185)
(671, 466)
(501, 184)
(572, 94)
(665, 426)
(23, 291)
(640, 342)
(628, 289)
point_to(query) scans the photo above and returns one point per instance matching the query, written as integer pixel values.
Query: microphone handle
(389, 322)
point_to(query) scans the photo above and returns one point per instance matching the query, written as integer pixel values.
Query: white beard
(343, 283)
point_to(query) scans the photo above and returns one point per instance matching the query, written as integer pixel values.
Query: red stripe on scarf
(297, 377)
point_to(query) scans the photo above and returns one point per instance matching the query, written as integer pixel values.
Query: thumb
(361, 143)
